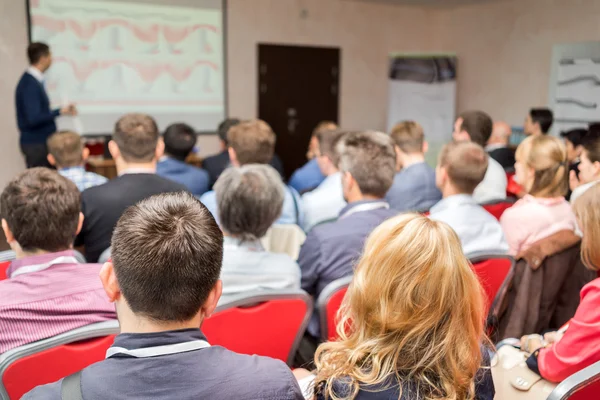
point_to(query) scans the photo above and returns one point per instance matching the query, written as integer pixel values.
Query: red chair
(582, 385)
(3, 268)
(328, 304)
(512, 188)
(492, 270)
(498, 208)
(266, 323)
(49, 360)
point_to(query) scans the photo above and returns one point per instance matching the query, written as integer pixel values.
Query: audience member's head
(501, 132)
(589, 167)
(461, 168)
(574, 143)
(180, 140)
(65, 150)
(587, 210)
(327, 157)
(41, 212)
(224, 128)
(414, 312)
(250, 199)
(313, 145)
(541, 166)
(473, 126)
(538, 121)
(39, 55)
(409, 143)
(251, 142)
(136, 140)
(368, 163)
(167, 252)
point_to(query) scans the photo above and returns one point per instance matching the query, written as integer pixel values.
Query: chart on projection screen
(114, 57)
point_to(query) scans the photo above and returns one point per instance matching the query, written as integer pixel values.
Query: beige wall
(504, 49)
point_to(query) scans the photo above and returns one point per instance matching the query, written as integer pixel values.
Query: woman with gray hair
(250, 199)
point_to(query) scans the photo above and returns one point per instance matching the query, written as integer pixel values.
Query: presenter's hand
(69, 110)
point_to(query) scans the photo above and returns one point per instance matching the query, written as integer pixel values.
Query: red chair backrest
(588, 392)
(272, 328)
(491, 273)
(497, 209)
(512, 188)
(582, 385)
(332, 307)
(53, 364)
(3, 268)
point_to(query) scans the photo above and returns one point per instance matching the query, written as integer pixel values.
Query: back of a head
(542, 116)
(37, 50)
(250, 199)
(137, 136)
(180, 140)
(225, 126)
(425, 322)
(501, 132)
(371, 160)
(41, 209)
(575, 136)
(547, 156)
(167, 252)
(253, 142)
(591, 146)
(409, 137)
(587, 210)
(66, 148)
(328, 140)
(478, 125)
(325, 126)
(465, 163)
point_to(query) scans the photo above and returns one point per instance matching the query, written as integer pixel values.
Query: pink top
(532, 219)
(47, 295)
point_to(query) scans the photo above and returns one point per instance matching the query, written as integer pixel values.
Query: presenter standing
(35, 119)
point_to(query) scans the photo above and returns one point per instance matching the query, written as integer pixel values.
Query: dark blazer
(103, 205)
(34, 116)
(216, 164)
(505, 157)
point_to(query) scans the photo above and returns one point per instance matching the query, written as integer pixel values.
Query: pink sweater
(532, 219)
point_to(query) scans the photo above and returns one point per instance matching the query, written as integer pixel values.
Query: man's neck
(451, 190)
(24, 254)
(331, 171)
(354, 198)
(412, 159)
(38, 68)
(123, 167)
(131, 323)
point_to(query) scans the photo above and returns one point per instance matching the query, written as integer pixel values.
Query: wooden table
(107, 168)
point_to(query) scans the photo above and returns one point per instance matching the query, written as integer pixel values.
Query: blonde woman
(414, 317)
(542, 170)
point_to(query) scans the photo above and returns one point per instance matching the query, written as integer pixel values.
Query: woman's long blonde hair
(547, 156)
(414, 312)
(587, 210)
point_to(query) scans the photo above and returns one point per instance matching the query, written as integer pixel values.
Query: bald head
(500, 134)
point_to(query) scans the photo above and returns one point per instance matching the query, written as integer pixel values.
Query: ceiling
(430, 3)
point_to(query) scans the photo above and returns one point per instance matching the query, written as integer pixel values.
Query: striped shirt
(47, 295)
(81, 178)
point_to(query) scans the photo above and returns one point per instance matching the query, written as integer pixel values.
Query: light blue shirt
(414, 189)
(248, 267)
(307, 177)
(478, 230)
(81, 178)
(292, 212)
(324, 203)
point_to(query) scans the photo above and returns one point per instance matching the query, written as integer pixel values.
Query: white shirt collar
(138, 170)
(36, 73)
(492, 147)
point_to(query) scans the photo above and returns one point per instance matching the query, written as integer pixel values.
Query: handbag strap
(70, 388)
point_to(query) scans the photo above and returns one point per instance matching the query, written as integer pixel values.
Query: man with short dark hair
(461, 168)
(68, 155)
(164, 279)
(538, 121)
(414, 184)
(180, 140)
(477, 126)
(367, 164)
(135, 147)
(253, 142)
(48, 292)
(34, 116)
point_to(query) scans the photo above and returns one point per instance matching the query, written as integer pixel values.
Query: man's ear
(233, 157)
(113, 149)
(160, 148)
(51, 160)
(80, 223)
(596, 166)
(109, 282)
(84, 155)
(425, 146)
(7, 232)
(213, 298)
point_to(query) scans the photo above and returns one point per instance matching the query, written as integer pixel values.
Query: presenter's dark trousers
(36, 154)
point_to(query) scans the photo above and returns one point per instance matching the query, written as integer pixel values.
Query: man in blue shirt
(414, 185)
(180, 140)
(309, 176)
(367, 162)
(253, 142)
(164, 280)
(35, 118)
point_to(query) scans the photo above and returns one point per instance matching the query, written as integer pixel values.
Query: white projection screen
(110, 57)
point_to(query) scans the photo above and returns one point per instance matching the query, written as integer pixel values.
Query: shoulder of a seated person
(50, 391)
